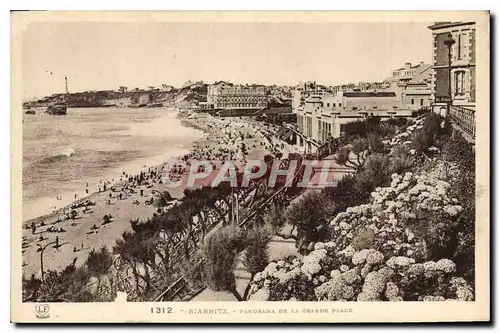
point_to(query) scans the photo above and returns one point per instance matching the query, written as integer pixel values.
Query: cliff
(136, 98)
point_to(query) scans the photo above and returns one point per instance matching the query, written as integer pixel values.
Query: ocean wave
(59, 156)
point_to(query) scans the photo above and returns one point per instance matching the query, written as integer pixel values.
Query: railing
(172, 291)
(442, 99)
(465, 119)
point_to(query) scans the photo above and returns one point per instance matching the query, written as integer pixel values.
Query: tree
(359, 148)
(130, 249)
(201, 201)
(98, 264)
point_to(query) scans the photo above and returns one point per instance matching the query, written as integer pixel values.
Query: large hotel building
(322, 115)
(224, 95)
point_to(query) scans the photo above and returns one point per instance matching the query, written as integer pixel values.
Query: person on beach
(110, 196)
(57, 242)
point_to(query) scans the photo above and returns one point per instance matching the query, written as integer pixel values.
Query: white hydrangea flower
(446, 265)
(360, 257)
(465, 294)
(374, 258)
(433, 298)
(258, 277)
(391, 290)
(399, 261)
(344, 225)
(319, 245)
(334, 273)
(348, 252)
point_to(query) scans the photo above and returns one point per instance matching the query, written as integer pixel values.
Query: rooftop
(370, 94)
(441, 25)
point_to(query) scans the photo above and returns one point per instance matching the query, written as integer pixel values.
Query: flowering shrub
(366, 275)
(394, 210)
(395, 267)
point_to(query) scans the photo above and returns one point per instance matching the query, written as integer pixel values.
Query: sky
(105, 55)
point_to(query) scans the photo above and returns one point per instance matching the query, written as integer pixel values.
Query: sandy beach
(77, 236)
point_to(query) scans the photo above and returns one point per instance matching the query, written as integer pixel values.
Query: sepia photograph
(309, 167)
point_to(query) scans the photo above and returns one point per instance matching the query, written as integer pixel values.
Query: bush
(309, 216)
(220, 252)
(256, 256)
(430, 133)
(363, 240)
(274, 217)
(375, 173)
(345, 194)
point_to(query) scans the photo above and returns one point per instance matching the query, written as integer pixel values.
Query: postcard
(244, 167)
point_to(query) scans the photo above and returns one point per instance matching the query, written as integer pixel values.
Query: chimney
(407, 65)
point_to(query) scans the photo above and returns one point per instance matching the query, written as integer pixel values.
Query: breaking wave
(62, 155)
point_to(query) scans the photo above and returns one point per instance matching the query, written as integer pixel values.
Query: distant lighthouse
(66, 81)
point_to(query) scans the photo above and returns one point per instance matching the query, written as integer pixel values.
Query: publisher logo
(42, 311)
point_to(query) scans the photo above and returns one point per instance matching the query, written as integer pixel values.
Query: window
(459, 82)
(459, 47)
(333, 104)
(421, 102)
(412, 101)
(340, 105)
(354, 108)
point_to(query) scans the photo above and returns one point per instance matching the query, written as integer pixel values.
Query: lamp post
(41, 249)
(449, 43)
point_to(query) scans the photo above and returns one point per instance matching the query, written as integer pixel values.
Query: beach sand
(78, 231)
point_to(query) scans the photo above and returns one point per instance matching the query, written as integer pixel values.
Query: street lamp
(449, 43)
(41, 249)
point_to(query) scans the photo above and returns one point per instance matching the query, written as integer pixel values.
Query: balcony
(442, 99)
(464, 119)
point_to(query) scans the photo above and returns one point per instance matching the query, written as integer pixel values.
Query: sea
(62, 155)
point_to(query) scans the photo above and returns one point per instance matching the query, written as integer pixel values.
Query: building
(410, 73)
(417, 95)
(305, 90)
(325, 115)
(224, 95)
(455, 39)
(413, 85)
